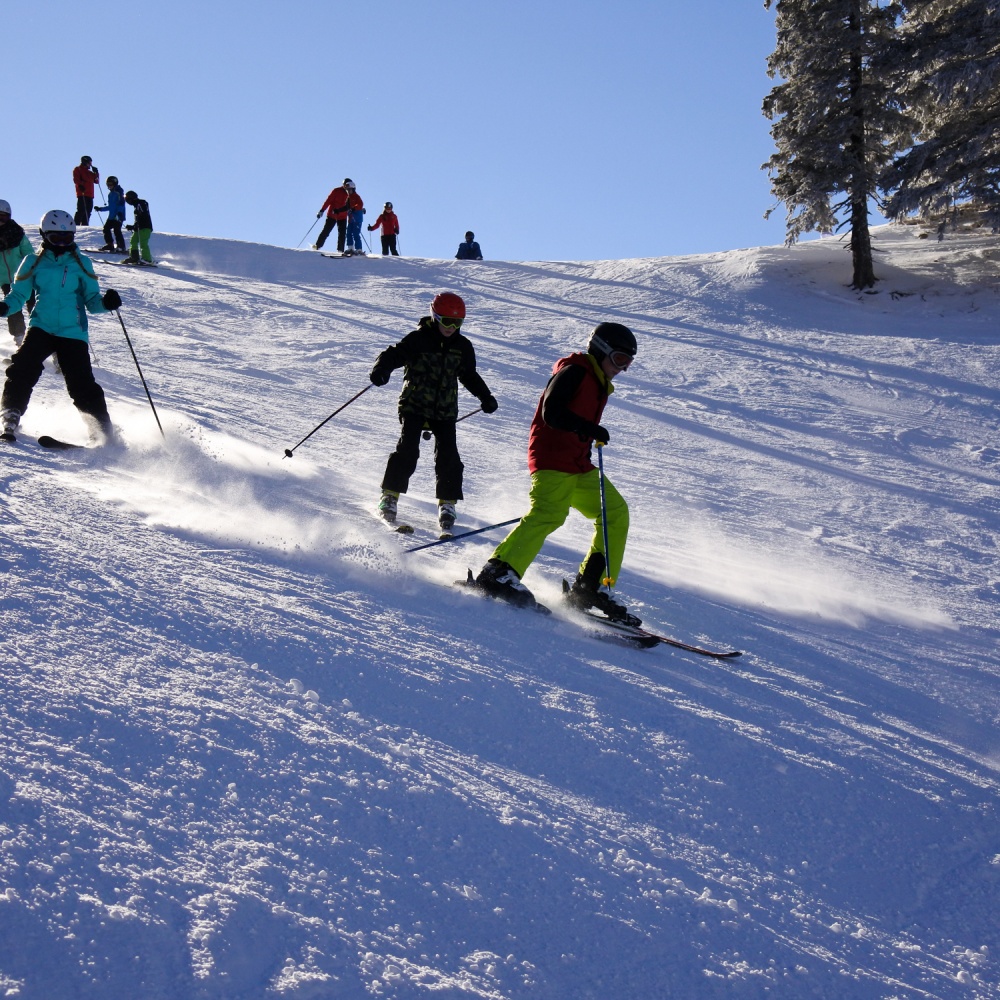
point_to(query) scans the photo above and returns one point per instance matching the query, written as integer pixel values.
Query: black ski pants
(389, 245)
(341, 225)
(448, 466)
(73, 355)
(84, 206)
(113, 234)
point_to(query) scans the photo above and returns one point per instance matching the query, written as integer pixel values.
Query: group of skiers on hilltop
(345, 210)
(59, 286)
(567, 422)
(85, 177)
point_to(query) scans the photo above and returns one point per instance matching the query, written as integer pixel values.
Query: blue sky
(555, 130)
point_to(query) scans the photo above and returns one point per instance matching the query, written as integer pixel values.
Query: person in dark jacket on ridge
(435, 358)
(469, 250)
(567, 421)
(141, 229)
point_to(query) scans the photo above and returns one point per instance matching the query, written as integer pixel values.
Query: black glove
(111, 300)
(588, 430)
(490, 404)
(4, 308)
(370, 228)
(319, 214)
(379, 376)
(130, 227)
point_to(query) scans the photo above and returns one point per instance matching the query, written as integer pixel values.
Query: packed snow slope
(253, 748)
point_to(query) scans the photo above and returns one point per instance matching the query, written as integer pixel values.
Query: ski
(56, 445)
(643, 637)
(9, 437)
(112, 253)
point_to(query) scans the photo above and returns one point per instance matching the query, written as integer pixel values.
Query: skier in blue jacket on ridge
(113, 239)
(66, 289)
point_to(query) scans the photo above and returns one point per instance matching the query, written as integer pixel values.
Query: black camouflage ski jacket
(434, 365)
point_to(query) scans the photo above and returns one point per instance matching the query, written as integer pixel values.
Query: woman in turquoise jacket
(14, 247)
(65, 289)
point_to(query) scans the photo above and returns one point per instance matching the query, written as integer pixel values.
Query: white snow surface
(253, 748)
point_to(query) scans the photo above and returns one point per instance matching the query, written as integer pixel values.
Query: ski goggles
(620, 360)
(60, 238)
(449, 322)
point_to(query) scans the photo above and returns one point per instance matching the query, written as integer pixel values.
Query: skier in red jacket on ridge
(337, 208)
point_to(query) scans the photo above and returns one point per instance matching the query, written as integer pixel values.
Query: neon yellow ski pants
(552, 495)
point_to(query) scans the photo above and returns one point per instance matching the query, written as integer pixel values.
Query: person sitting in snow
(567, 421)
(436, 357)
(469, 250)
(65, 288)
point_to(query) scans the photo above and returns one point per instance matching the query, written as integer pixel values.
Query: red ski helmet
(448, 305)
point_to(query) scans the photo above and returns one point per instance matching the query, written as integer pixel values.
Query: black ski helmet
(610, 337)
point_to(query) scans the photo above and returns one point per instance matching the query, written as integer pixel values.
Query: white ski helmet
(5, 206)
(57, 221)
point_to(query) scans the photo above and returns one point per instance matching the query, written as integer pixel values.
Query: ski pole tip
(288, 453)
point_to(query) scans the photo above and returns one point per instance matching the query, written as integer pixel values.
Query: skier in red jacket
(85, 176)
(567, 421)
(390, 229)
(337, 207)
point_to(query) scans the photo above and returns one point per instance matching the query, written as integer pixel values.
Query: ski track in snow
(253, 748)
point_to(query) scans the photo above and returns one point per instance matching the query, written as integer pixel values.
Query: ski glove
(490, 404)
(379, 376)
(130, 227)
(111, 300)
(588, 430)
(319, 214)
(4, 308)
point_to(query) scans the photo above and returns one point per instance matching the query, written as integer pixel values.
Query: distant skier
(355, 219)
(113, 239)
(337, 207)
(14, 247)
(65, 286)
(566, 422)
(469, 250)
(435, 358)
(85, 176)
(390, 229)
(141, 229)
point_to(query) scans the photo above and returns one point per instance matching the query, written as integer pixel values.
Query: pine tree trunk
(861, 241)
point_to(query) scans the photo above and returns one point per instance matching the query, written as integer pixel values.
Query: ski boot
(446, 515)
(9, 421)
(588, 591)
(499, 580)
(387, 506)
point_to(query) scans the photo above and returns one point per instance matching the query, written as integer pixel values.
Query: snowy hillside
(252, 748)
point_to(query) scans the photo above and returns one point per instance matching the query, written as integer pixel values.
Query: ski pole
(311, 228)
(607, 581)
(128, 340)
(465, 534)
(471, 413)
(288, 451)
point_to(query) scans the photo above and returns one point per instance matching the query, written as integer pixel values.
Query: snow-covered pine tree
(831, 117)
(946, 60)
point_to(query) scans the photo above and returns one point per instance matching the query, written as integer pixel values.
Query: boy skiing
(566, 422)
(435, 358)
(115, 208)
(65, 289)
(141, 229)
